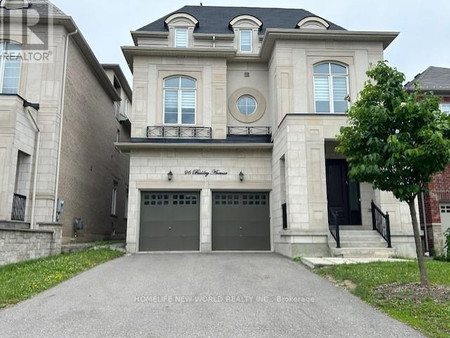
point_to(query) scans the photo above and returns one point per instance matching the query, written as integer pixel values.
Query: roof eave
(122, 78)
(273, 34)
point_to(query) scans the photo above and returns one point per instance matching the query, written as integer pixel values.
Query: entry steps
(360, 244)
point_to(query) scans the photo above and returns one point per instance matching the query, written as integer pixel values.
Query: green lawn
(24, 280)
(432, 317)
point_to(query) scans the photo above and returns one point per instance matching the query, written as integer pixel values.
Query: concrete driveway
(198, 295)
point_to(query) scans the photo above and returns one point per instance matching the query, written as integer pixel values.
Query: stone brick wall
(18, 244)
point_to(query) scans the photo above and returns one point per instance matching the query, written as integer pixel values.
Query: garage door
(241, 221)
(445, 216)
(169, 221)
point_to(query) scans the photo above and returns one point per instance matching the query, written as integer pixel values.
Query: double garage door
(170, 221)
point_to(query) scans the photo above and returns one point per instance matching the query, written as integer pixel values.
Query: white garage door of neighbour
(445, 216)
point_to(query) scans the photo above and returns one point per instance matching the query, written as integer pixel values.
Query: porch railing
(18, 208)
(333, 225)
(264, 131)
(381, 223)
(178, 132)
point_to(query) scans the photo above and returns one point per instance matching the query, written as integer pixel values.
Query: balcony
(179, 132)
(242, 131)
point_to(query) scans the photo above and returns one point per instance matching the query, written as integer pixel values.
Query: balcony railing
(179, 132)
(18, 208)
(264, 131)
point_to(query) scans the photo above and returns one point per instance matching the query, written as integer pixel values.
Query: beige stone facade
(291, 162)
(69, 153)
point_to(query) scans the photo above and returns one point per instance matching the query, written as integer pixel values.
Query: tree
(396, 140)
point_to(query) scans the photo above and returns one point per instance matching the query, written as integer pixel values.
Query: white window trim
(330, 77)
(180, 113)
(251, 40)
(3, 66)
(187, 37)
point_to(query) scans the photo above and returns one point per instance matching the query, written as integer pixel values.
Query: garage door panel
(241, 221)
(169, 221)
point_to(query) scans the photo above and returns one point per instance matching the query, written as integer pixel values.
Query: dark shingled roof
(42, 7)
(433, 78)
(215, 19)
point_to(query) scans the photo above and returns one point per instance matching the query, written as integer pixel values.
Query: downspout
(36, 165)
(424, 216)
(61, 104)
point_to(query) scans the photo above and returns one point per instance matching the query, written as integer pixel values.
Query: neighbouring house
(435, 204)
(234, 124)
(60, 113)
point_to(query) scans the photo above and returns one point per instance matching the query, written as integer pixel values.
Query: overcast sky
(424, 26)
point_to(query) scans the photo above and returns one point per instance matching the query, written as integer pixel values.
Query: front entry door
(343, 193)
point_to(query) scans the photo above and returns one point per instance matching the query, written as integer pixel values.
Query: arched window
(330, 88)
(180, 95)
(9, 67)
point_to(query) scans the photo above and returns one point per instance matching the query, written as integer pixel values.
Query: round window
(247, 105)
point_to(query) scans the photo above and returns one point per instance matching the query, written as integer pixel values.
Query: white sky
(424, 26)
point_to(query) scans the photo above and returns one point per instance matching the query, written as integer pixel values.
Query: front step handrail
(333, 225)
(381, 223)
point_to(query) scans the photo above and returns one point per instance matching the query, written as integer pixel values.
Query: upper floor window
(9, 67)
(245, 41)
(445, 107)
(180, 94)
(330, 88)
(181, 37)
(247, 105)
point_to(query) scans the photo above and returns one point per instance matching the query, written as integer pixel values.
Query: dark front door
(241, 221)
(343, 193)
(170, 221)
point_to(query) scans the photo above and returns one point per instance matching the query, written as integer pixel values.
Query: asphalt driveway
(198, 295)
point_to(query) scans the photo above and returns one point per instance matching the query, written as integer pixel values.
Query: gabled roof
(433, 79)
(215, 19)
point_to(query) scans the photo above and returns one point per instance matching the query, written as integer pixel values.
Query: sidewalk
(316, 262)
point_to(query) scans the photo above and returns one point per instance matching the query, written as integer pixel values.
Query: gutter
(61, 104)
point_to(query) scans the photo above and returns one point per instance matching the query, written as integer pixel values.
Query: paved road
(233, 295)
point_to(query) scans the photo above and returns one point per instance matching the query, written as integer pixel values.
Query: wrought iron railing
(284, 212)
(381, 223)
(333, 225)
(18, 208)
(264, 131)
(179, 132)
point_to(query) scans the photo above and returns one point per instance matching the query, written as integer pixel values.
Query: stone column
(205, 220)
(55, 245)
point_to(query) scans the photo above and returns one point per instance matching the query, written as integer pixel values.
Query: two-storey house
(435, 204)
(234, 122)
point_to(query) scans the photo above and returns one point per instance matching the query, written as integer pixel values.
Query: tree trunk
(419, 251)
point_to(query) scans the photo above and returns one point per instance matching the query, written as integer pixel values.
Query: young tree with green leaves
(396, 140)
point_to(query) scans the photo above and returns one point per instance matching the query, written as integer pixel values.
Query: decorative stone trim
(260, 109)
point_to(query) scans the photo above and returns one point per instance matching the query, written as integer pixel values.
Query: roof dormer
(181, 28)
(313, 22)
(246, 28)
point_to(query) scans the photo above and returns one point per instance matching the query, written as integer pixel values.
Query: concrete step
(362, 252)
(358, 232)
(365, 244)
